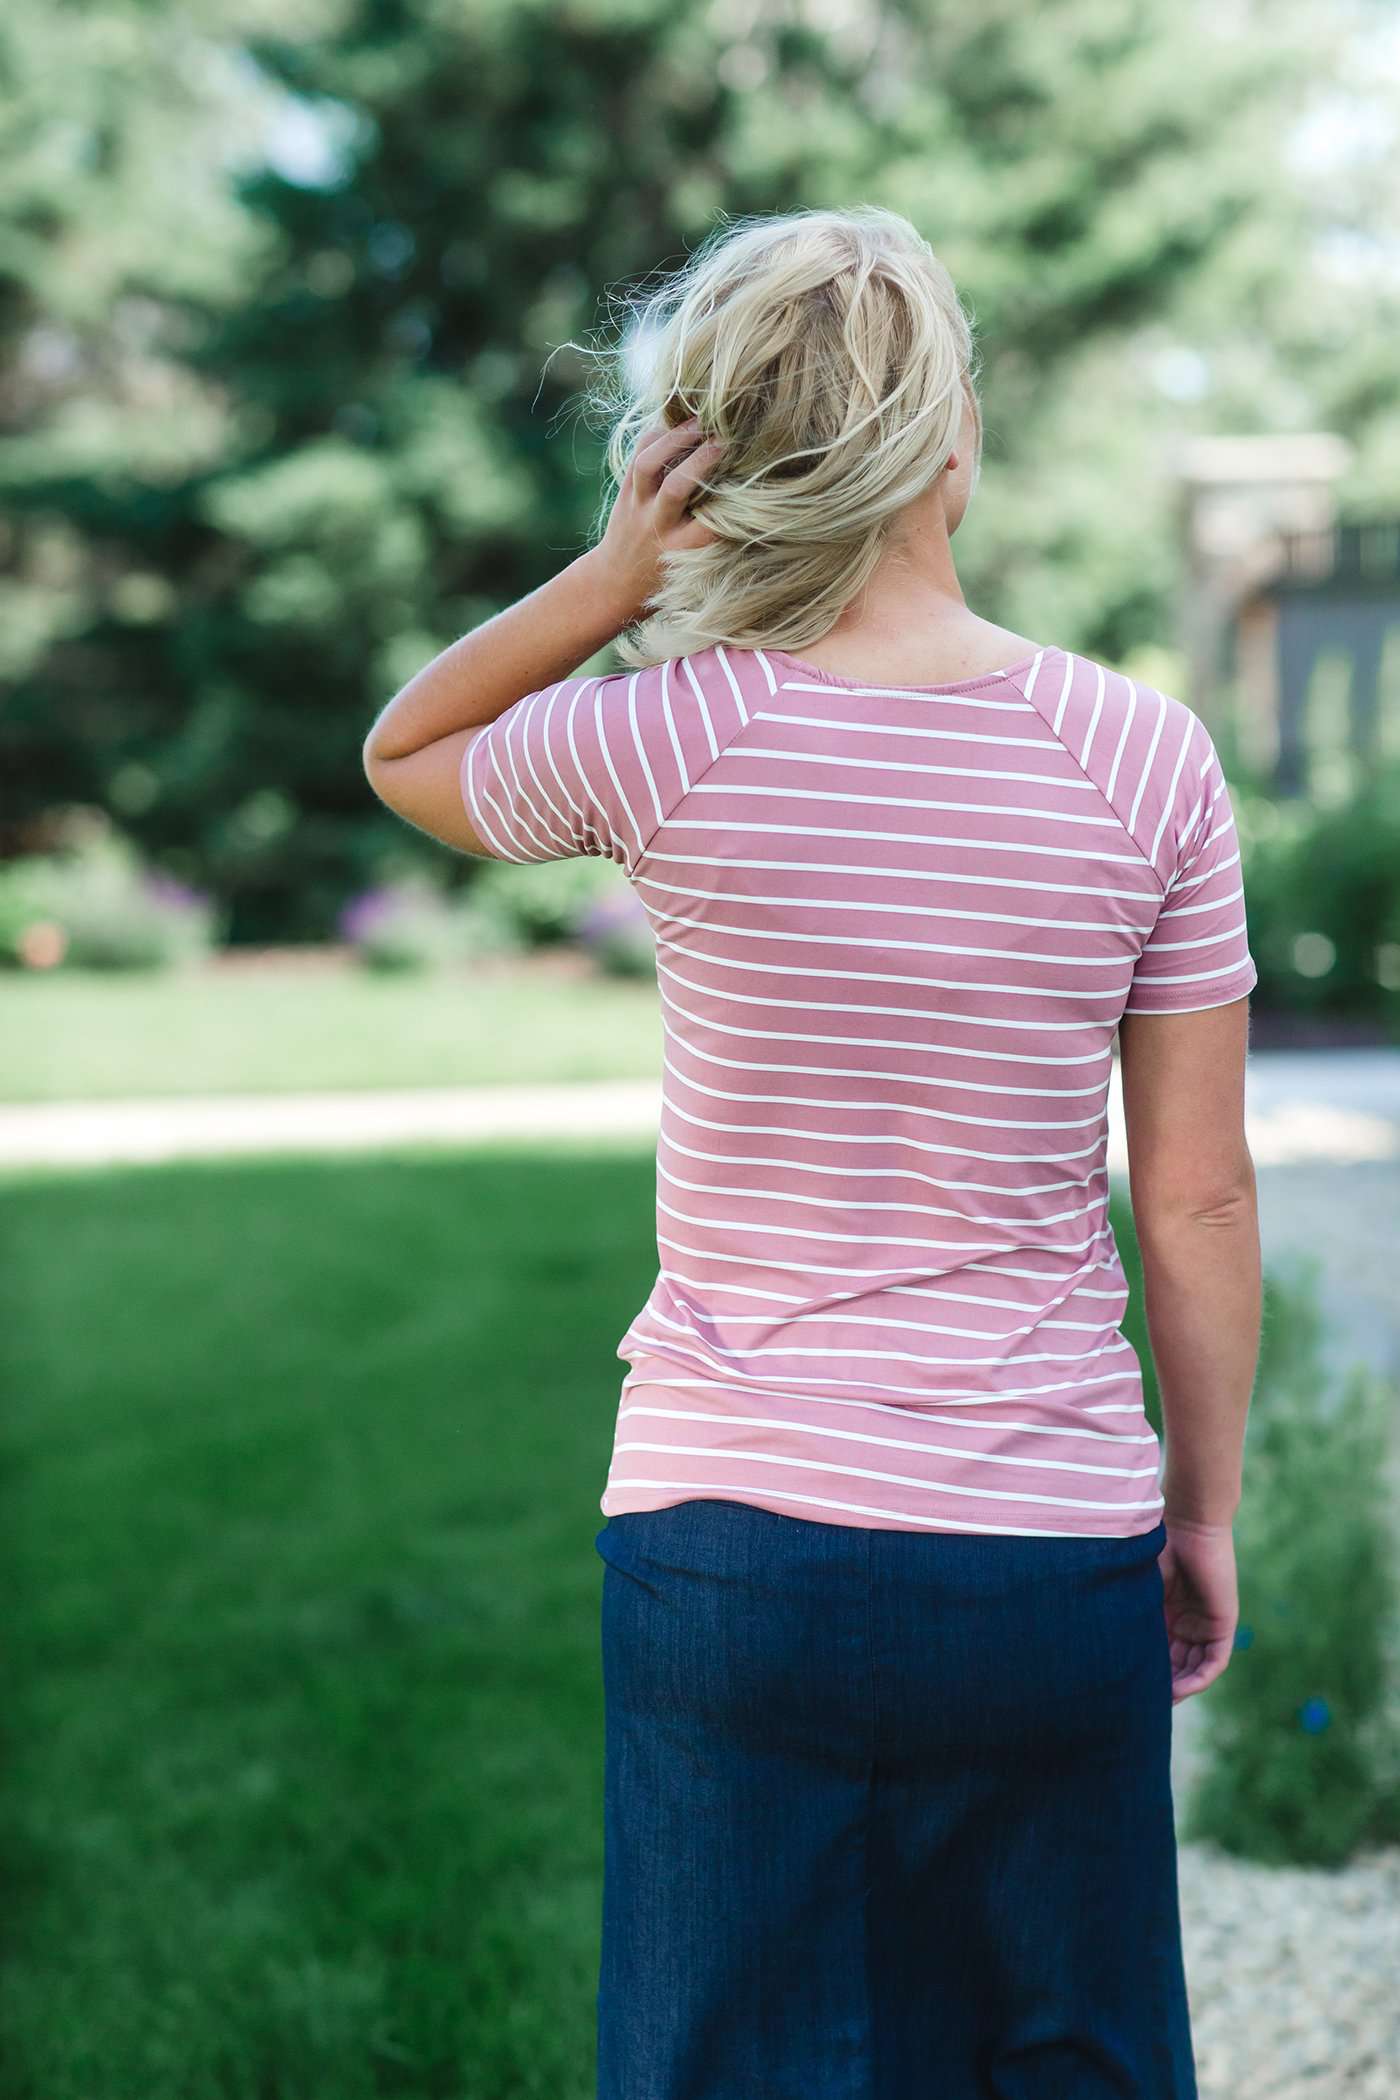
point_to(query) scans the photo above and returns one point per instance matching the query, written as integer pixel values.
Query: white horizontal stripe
(923, 911)
(848, 976)
(895, 1107)
(965, 843)
(881, 692)
(823, 1203)
(1195, 976)
(948, 1115)
(893, 1443)
(864, 1173)
(894, 1356)
(1012, 809)
(878, 1042)
(1068, 1283)
(898, 1518)
(938, 984)
(933, 911)
(837, 1316)
(740, 1379)
(1234, 932)
(846, 1006)
(796, 756)
(945, 1487)
(907, 1415)
(1017, 776)
(1198, 1005)
(1071, 1288)
(845, 940)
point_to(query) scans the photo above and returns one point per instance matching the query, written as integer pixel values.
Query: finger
(660, 450)
(684, 482)
(692, 534)
(1198, 1667)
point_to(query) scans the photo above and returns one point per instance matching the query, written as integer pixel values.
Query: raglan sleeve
(1197, 951)
(577, 768)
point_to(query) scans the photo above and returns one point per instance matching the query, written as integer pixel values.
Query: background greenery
(287, 297)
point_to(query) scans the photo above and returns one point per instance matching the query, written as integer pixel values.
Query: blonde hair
(828, 351)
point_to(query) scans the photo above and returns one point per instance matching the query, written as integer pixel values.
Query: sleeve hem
(1223, 995)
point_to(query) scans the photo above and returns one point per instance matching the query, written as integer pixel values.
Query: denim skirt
(887, 1814)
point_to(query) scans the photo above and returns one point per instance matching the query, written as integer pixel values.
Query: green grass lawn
(99, 1035)
(302, 1714)
(300, 1462)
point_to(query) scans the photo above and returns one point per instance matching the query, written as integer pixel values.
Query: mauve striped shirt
(895, 929)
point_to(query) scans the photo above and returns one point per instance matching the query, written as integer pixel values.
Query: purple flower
(177, 895)
(364, 914)
(618, 912)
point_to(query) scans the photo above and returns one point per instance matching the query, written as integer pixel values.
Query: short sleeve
(526, 781)
(595, 765)
(1197, 952)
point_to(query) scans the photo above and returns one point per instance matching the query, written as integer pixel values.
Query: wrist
(1206, 1518)
(617, 600)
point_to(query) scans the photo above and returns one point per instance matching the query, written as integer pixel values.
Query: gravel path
(1293, 1975)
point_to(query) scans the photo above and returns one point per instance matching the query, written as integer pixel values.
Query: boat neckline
(801, 665)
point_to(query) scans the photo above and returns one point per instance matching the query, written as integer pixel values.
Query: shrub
(94, 906)
(544, 901)
(1322, 887)
(1301, 1754)
(410, 923)
(616, 932)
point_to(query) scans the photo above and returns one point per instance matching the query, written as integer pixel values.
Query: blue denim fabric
(887, 1815)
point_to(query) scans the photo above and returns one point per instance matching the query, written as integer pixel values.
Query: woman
(895, 1606)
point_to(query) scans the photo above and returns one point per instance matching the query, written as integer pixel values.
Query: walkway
(1330, 1107)
(1324, 1127)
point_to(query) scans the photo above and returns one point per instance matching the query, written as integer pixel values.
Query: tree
(366, 410)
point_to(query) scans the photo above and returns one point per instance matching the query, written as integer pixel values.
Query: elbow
(376, 767)
(1222, 1203)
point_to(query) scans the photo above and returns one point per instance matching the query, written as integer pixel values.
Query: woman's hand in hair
(652, 513)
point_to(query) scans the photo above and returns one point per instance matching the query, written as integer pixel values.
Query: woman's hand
(651, 515)
(1201, 1602)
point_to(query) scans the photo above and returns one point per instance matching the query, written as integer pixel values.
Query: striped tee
(896, 927)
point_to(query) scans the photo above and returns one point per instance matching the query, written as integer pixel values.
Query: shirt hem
(632, 1501)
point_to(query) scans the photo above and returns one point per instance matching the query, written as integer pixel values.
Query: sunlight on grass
(87, 1035)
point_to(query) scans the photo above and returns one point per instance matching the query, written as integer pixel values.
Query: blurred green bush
(93, 904)
(412, 922)
(1322, 892)
(1302, 1752)
(587, 901)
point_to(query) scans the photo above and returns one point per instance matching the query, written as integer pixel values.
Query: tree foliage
(285, 409)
